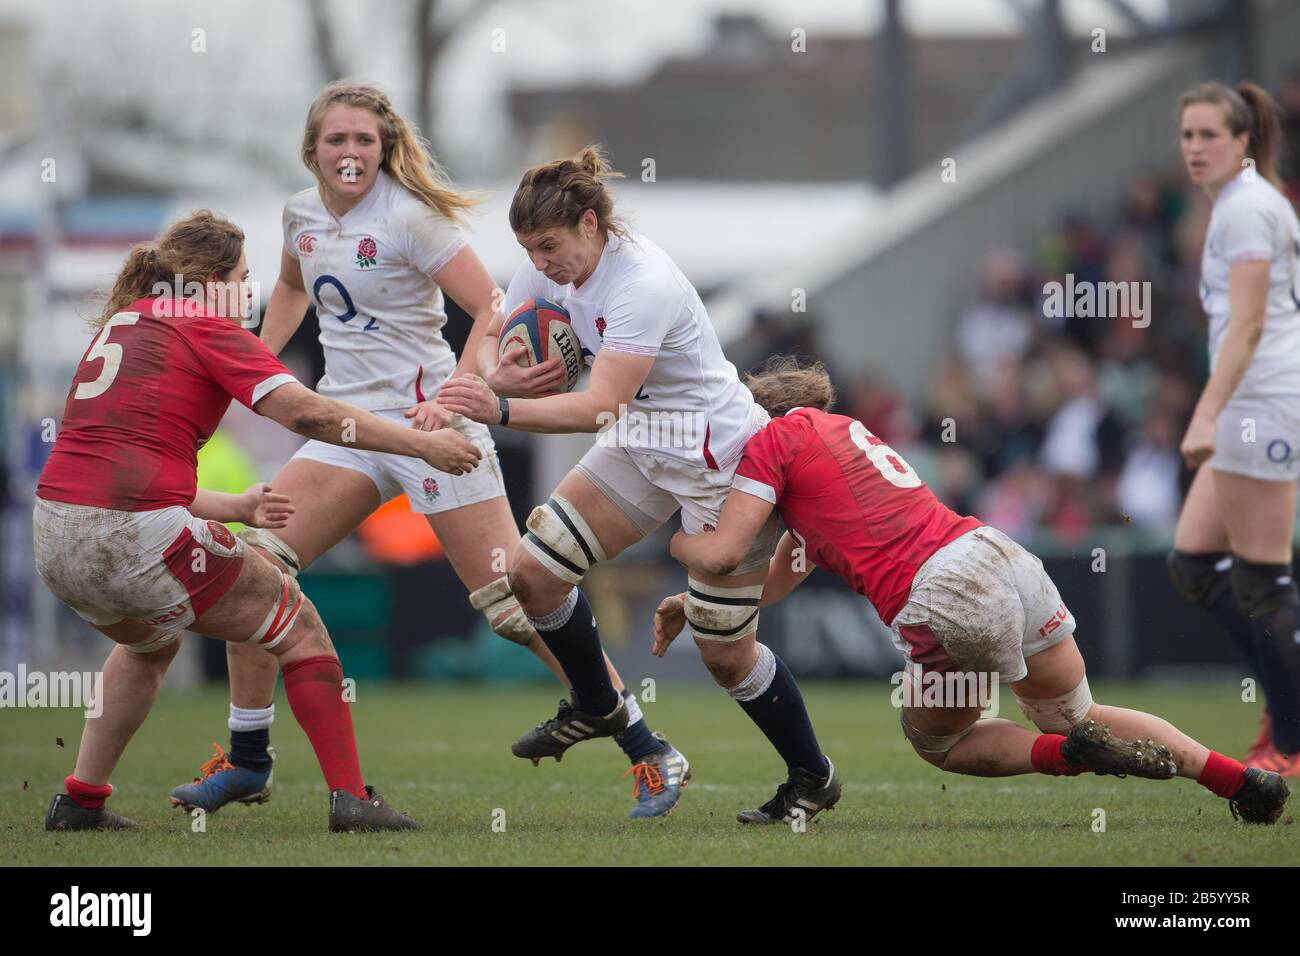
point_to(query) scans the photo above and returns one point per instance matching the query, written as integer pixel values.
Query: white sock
(633, 708)
(759, 679)
(246, 719)
(560, 616)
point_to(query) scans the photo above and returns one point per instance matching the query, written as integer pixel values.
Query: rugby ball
(544, 330)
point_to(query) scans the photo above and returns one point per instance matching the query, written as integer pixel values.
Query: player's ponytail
(786, 381)
(407, 156)
(190, 250)
(1265, 129)
(559, 192)
(1247, 109)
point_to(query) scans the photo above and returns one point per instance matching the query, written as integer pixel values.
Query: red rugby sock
(1222, 775)
(314, 687)
(1046, 757)
(88, 796)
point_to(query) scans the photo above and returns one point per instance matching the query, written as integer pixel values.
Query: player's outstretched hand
(470, 396)
(265, 509)
(428, 416)
(670, 618)
(1198, 443)
(450, 451)
(512, 380)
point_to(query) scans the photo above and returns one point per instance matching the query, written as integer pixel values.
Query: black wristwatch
(504, 404)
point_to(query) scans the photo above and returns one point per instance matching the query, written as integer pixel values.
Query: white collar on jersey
(382, 184)
(1235, 183)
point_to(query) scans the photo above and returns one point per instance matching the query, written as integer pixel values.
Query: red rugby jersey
(150, 390)
(860, 510)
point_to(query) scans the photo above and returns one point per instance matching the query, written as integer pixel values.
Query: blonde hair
(407, 156)
(559, 192)
(1250, 109)
(194, 249)
(787, 381)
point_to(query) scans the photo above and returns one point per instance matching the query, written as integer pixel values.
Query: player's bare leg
(312, 681)
(329, 503)
(129, 688)
(131, 683)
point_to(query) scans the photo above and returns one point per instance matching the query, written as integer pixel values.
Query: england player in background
(374, 245)
(960, 598)
(1233, 544)
(655, 358)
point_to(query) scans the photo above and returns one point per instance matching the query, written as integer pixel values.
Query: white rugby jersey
(368, 274)
(1251, 220)
(637, 301)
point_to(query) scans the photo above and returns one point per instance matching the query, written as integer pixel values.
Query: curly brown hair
(784, 382)
(193, 249)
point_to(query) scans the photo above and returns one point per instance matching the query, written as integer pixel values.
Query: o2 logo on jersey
(349, 309)
(306, 244)
(367, 252)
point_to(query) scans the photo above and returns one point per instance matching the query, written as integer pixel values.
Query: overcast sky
(260, 57)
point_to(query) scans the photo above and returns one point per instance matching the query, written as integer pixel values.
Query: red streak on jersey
(859, 509)
(149, 391)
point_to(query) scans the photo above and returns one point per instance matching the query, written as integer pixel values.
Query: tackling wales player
(959, 597)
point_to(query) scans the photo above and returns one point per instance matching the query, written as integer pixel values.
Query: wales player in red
(961, 598)
(123, 536)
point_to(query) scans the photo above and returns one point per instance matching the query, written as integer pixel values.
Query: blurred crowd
(1036, 423)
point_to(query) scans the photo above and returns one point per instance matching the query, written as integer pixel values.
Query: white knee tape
(157, 642)
(1056, 715)
(721, 614)
(759, 679)
(931, 743)
(275, 545)
(279, 620)
(562, 541)
(502, 610)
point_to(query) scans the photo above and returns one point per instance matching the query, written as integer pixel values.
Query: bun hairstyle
(194, 249)
(1247, 108)
(788, 381)
(407, 156)
(559, 192)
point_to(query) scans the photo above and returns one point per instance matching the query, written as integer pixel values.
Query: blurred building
(749, 107)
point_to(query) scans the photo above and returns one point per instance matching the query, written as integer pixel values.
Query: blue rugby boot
(221, 782)
(657, 781)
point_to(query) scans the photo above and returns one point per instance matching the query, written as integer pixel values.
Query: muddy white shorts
(429, 491)
(981, 604)
(163, 567)
(1259, 437)
(649, 487)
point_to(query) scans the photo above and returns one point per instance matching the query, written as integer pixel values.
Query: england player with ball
(653, 355)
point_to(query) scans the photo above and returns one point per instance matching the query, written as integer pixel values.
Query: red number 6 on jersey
(888, 462)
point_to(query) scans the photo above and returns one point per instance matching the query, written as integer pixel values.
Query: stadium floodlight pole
(893, 98)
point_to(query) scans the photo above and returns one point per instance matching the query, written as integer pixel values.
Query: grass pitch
(442, 754)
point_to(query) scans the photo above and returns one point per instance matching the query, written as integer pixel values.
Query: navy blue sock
(248, 749)
(780, 713)
(576, 645)
(638, 742)
(1279, 673)
(1233, 619)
